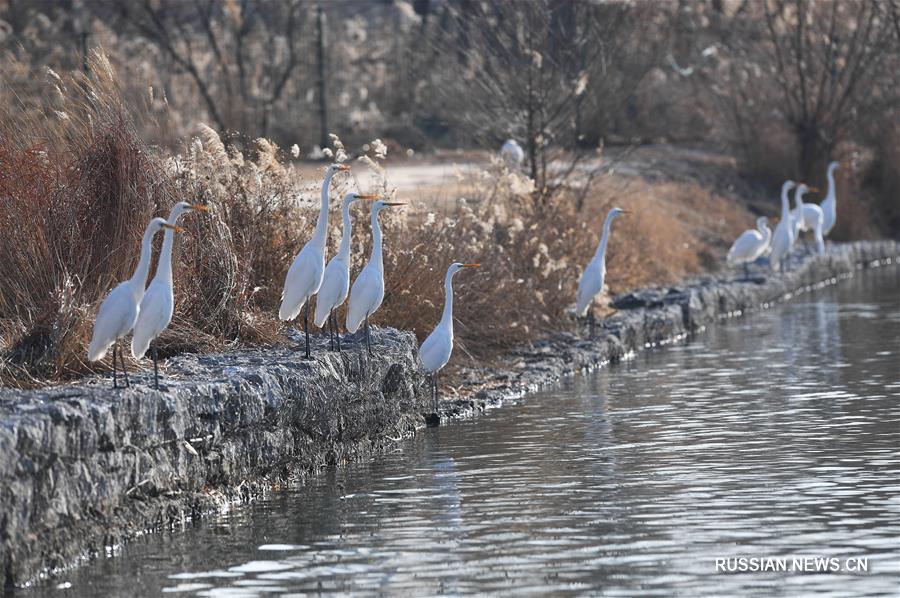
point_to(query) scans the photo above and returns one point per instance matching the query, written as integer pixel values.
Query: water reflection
(773, 436)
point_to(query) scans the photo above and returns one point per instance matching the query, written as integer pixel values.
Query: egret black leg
(368, 340)
(434, 390)
(115, 352)
(155, 367)
(337, 331)
(592, 322)
(330, 332)
(124, 371)
(746, 271)
(306, 328)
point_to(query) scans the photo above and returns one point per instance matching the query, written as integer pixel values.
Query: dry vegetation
(79, 185)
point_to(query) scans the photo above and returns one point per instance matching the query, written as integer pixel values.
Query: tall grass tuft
(76, 189)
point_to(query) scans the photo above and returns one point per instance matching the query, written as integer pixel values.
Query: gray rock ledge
(83, 466)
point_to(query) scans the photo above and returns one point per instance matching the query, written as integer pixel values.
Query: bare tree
(240, 54)
(524, 70)
(817, 67)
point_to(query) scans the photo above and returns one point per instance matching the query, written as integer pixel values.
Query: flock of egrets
(817, 219)
(147, 311)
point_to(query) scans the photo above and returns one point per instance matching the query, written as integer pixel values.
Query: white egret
(367, 291)
(591, 283)
(783, 237)
(435, 351)
(829, 204)
(305, 274)
(159, 299)
(750, 245)
(512, 153)
(336, 280)
(119, 311)
(807, 217)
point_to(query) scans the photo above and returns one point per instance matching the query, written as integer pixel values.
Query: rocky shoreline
(657, 316)
(84, 467)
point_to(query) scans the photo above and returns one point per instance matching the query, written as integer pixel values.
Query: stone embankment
(651, 317)
(84, 467)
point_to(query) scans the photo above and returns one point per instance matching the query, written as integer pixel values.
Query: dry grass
(77, 192)
(77, 187)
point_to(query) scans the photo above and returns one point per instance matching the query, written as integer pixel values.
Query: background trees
(783, 85)
(820, 72)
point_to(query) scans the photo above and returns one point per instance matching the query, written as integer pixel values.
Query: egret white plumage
(159, 300)
(783, 237)
(367, 291)
(591, 283)
(336, 280)
(119, 311)
(829, 204)
(305, 275)
(807, 217)
(435, 351)
(512, 153)
(750, 245)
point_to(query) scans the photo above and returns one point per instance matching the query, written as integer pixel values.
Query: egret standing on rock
(750, 245)
(119, 311)
(435, 351)
(305, 274)
(367, 292)
(829, 204)
(591, 284)
(807, 217)
(783, 237)
(159, 300)
(336, 281)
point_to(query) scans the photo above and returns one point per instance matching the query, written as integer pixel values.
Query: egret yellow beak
(200, 207)
(394, 203)
(368, 197)
(626, 213)
(172, 227)
(471, 265)
(813, 189)
(343, 167)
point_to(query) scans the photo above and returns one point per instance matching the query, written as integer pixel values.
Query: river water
(774, 436)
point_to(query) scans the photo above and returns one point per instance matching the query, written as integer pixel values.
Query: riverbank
(83, 467)
(657, 316)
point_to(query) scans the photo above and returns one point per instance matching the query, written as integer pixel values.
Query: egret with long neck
(336, 281)
(829, 204)
(305, 275)
(119, 311)
(750, 245)
(367, 292)
(158, 303)
(783, 237)
(808, 217)
(591, 284)
(435, 351)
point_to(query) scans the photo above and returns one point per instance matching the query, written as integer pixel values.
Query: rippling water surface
(775, 435)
